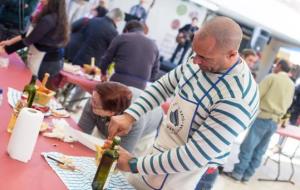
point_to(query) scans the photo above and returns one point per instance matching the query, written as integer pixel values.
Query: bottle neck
(33, 80)
(113, 145)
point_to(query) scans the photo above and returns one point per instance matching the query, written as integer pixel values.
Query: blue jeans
(253, 148)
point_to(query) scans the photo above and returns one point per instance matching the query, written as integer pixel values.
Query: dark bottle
(30, 90)
(106, 166)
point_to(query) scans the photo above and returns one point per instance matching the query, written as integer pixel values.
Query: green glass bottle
(30, 90)
(106, 166)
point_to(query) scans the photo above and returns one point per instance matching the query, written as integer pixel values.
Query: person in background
(200, 126)
(76, 38)
(112, 98)
(276, 94)
(97, 36)
(46, 41)
(136, 57)
(139, 11)
(249, 55)
(295, 108)
(101, 10)
(91, 40)
(184, 39)
(78, 29)
(15, 17)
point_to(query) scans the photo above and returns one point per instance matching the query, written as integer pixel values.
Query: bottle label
(111, 171)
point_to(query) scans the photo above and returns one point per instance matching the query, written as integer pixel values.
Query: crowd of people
(214, 95)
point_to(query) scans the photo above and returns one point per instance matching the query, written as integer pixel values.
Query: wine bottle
(106, 166)
(30, 90)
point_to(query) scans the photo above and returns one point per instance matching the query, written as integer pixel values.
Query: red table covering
(84, 83)
(290, 131)
(36, 174)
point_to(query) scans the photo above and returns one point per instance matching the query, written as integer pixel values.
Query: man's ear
(232, 54)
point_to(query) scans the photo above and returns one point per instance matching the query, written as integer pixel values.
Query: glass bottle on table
(30, 90)
(25, 101)
(20, 104)
(107, 165)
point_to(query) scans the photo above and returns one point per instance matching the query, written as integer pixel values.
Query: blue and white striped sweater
(226, 112)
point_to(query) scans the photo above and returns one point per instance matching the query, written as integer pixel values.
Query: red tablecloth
(84, 83)
(290, 131)
(36, 174)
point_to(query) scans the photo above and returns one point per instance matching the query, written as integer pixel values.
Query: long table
(36, 174)
(80, 81)
(289, 132)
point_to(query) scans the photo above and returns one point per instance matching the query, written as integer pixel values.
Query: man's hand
(120, 125)
(124, 157)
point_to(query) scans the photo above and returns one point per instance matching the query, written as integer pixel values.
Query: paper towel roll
(24, 136)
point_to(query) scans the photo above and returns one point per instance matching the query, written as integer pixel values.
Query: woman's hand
(5, 43)
(11, 41)
(2, 51)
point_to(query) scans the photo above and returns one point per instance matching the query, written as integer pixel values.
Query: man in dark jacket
(77, 37)
(94, 41)
(97, 35)
(295, 108)
(184, 39)
(15, 17)
(136, 57)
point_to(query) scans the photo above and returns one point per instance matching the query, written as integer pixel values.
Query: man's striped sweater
(222, 115)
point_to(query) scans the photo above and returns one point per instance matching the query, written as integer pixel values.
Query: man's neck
(230, 64)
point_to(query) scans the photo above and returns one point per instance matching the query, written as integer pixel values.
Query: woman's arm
(11, 41)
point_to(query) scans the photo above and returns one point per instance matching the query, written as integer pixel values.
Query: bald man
(215, 99)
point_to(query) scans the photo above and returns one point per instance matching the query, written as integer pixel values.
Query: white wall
(160, 18)
(280, 17)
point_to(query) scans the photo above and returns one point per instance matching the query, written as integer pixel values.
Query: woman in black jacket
(46, 40)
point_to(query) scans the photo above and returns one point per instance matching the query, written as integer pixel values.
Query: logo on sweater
(176, 119)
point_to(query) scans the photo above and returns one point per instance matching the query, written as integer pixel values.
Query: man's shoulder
(135, 92)
(135, 37)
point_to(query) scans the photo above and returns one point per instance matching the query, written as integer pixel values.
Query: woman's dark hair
(133, 25)
(114, 96)
(57, 7)
(247, 52)
(284, 65)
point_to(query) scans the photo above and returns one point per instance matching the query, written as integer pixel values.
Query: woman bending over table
(112, 98)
